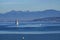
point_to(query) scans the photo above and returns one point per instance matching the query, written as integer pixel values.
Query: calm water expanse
(30, 31)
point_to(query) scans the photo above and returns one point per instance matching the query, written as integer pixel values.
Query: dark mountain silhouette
(48, 19)
(29, 15)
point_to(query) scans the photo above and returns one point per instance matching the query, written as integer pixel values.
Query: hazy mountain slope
(48, 19)
(30, 15)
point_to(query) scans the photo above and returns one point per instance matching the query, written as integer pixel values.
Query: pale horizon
(31, 5)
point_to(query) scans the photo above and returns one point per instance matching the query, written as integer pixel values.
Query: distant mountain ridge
(48, 19)
(27, 15)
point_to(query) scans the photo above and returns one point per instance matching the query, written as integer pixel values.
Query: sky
(31, 5)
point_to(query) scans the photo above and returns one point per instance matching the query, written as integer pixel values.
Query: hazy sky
(32, 5)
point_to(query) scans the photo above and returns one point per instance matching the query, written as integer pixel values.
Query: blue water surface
(30, 31)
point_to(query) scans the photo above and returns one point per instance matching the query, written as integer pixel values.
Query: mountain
(27, 15)
(48, 19)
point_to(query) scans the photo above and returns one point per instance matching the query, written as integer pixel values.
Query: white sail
(17, 23)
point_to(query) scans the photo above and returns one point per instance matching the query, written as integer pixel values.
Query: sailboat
(17, 22)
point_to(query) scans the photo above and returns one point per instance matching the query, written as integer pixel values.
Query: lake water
(30, 31)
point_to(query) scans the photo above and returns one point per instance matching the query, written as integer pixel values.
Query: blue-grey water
(30, 31)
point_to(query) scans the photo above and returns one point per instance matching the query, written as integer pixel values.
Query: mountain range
(56, 19)
(29, 15)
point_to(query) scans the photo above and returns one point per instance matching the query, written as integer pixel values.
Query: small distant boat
(17, 22)
(23, 38)
(40, 24)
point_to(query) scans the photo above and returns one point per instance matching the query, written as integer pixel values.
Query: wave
(32, 32)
